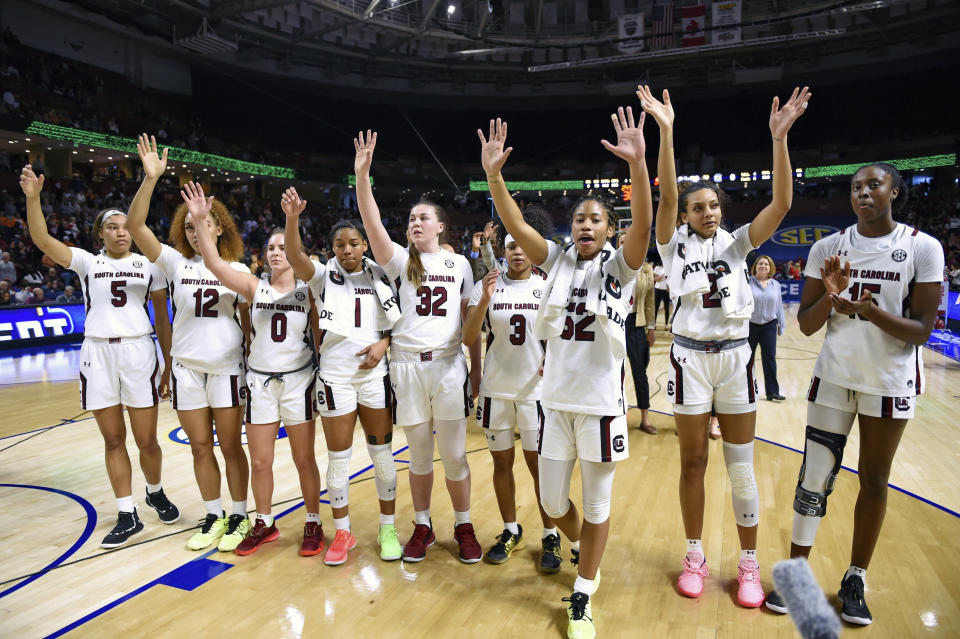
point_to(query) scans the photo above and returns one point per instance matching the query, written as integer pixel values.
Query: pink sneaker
(690, 582)
(343, 542)
(750, 594)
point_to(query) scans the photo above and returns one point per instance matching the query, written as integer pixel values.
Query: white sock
(575, 545)
(153, 488)
(583, 585)
(512, 527)
(461, 517)
(314, 517)
(694, 545)
(125, 504)
(240, 508)
(267, 519)
(214, 507)
(422, 517)
(549, 531)
(343, 523)
(856, 570)
(748, 554)
(386, 520)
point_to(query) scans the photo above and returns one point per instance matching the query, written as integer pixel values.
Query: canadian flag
(692, 20)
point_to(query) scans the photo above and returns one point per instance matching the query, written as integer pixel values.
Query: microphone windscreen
(808, 606)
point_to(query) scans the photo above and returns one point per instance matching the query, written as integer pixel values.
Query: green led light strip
(352, 180)
(539, 185)
(129, 145)
(905, 164)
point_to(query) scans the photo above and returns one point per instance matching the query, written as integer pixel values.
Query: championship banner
(726, 22)
(631, 26)
(692, 22)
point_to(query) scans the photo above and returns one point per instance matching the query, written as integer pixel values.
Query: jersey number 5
(119, 295)
(206, 309)
(431, 301)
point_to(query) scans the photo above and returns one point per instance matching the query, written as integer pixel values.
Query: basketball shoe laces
(421, 532)
(208, 523)
(701, 569)
(578, 606)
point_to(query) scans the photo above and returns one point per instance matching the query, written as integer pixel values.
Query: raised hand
(153, 163)
(490, 230)
(630, 143)
(662, 112)
(490, 284)
(197, 204)
(364, 147)
(492, 154)
(291, 204)
(30, 182)
(782, 118)
(835, 278)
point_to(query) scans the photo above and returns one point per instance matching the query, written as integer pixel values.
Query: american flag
(663, 26)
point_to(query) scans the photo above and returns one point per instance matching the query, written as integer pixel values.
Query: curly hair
(689, 188)
(229, 243)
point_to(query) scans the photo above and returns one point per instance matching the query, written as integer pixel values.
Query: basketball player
(118, 360)
(280, 375)
(582, 318)
(207, 381)
(710, 359)
(353, 377)
(879, 309)
(507, 303)
(428, 371)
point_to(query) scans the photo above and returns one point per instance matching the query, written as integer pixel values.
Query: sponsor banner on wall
(631, 26)
(726, 22)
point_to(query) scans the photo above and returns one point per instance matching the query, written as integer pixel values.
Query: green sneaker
(580, 617)
(390, 549)
(238, 526)
(212, 529)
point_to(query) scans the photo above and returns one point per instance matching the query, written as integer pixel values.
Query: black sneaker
(776, 603)
(854, 606)
(551, 557)
(507, 542)
(165, 509)
(575, 559)
(128, 525)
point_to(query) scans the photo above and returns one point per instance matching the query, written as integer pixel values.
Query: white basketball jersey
(580, 373)
(115, 292)
(282, 339)
(514, 355)
(206, 329)
(700, 316)
(430, 313)
(857, 354)
(338, 354)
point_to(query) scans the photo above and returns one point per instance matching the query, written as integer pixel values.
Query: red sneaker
(416, 549)
(342, 543)
(312, 539)
(470, 550)
(260, 534)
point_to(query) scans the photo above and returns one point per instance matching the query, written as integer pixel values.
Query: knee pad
(596, 511)
(420, 442)
(452, 442)
(456, 467)
(597, 481)
(384, 469)
(338, 477)
(743, 483)
(555, 486)
(822, 455)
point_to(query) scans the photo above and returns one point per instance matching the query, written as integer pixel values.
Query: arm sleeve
(486, 250)
(929, 259)
(80, 262)
(394, 268)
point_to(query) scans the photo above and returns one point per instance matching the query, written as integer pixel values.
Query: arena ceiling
(540, 48)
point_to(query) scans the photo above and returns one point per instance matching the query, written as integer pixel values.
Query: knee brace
(338, 477)
(452, 442)
(597, 480)
(555, 486)
(739, 461)
(822, 455)
(420, 442)
(384, 471)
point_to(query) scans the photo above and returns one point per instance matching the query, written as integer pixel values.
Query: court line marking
(124, 598)
(63, 422)
(87, 531)
(852, 470)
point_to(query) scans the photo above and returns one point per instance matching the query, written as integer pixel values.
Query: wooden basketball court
(56, 505)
